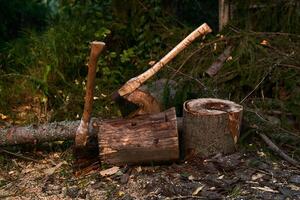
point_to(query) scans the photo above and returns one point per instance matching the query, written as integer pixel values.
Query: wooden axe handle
(136, 82)
(83, 129)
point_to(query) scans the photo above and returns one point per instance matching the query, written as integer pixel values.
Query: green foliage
(51, 64)
(16, 15)
(274, 16)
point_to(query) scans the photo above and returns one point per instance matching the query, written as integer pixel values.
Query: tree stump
(210, 126)
(143, 139)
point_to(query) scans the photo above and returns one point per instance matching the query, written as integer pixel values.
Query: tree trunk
(224, 13)
(144, 139)
(210, 126)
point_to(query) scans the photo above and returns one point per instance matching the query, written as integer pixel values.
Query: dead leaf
(139, 169)
(27, 170)
(110, 171)
(198, 190)
(221, 177)
(3, 117)
(257, 176)
(120, 193)
(264, 43)
(51, 170)
(229, 58)
(152, 62)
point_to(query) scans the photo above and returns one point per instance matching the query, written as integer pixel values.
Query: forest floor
(48, 171)
(246, 174)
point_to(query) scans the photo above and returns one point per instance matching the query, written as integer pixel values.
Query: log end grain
(211, 126)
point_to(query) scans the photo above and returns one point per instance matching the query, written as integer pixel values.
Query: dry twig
(276, 149)
(19, 156)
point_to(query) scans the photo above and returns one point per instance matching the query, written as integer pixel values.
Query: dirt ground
(242, 175)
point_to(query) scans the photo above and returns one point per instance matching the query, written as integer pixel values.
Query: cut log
(210, 126)
(144, 139)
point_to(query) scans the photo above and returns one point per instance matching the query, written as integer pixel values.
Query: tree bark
(224, 13)
(144, 139)
(34, 134)
(55, 131)
(210, 126)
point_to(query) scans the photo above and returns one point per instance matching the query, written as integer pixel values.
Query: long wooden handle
(82, 131)
(136, 82)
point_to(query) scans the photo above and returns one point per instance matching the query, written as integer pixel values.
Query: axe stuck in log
(127, 91)
(82, 132)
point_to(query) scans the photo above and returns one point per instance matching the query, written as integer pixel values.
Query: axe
(82, 132)
(130, 88)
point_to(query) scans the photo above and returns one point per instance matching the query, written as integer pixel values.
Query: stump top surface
(207, 106)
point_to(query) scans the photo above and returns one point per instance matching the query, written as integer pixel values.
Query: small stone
(191, 177)
(211, 195)
(127, 197)
(82, 194)
(119, 173)
(273, 120)
(295, 179)
(124, 178)
(72, 192)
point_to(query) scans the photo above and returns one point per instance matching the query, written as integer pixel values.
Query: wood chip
(110, 171)
(265, 189)
(51, 170)
(198, 190)
(257, 176)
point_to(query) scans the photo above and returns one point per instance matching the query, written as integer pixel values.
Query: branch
(276, 149)
(218, 64)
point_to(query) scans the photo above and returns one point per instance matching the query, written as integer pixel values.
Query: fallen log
(143, 139)
(55, 131)
(210, 126)
(276, 149)
(33, 134)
